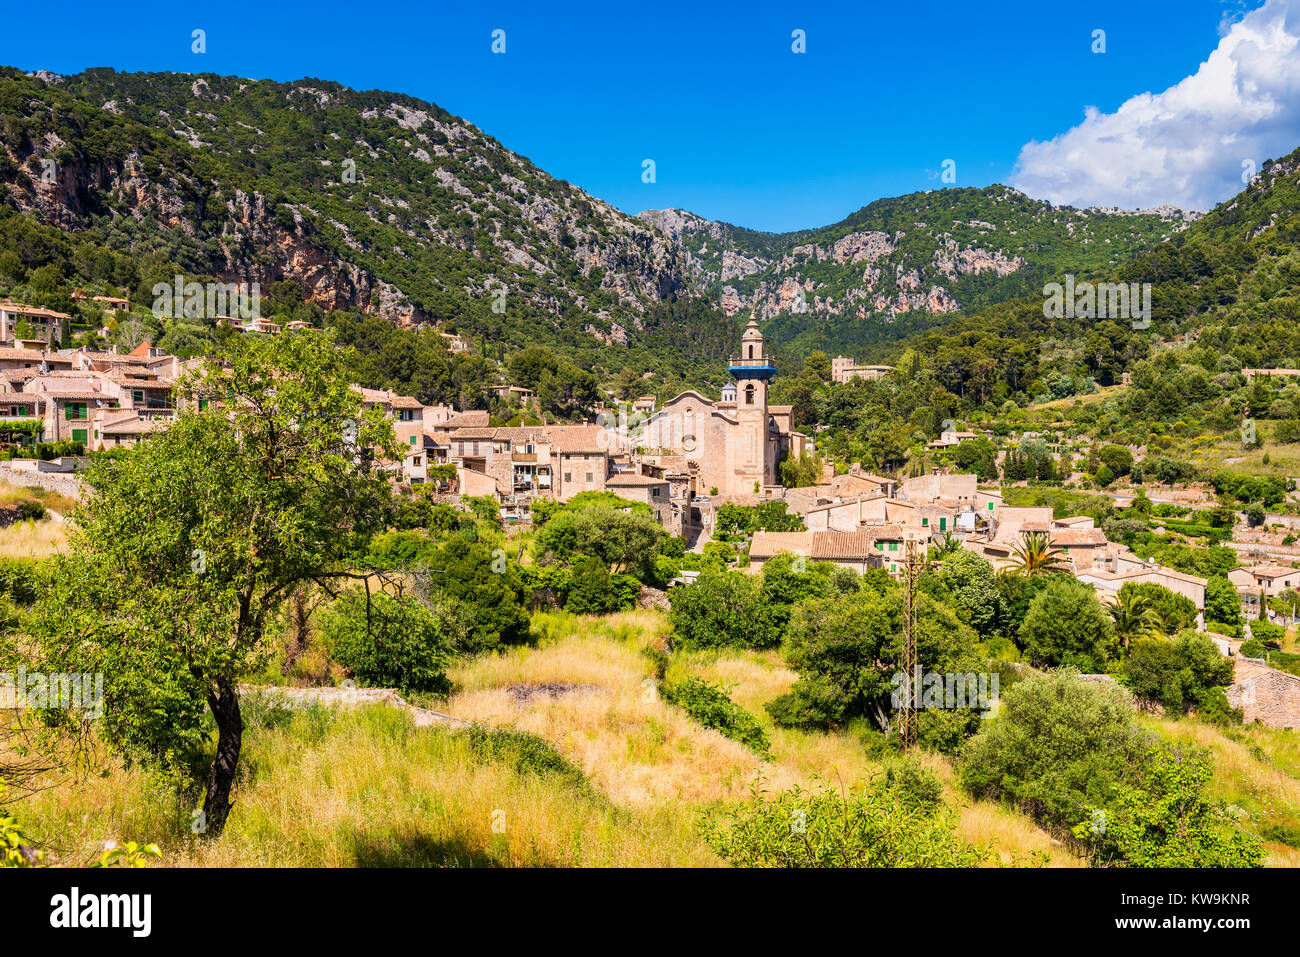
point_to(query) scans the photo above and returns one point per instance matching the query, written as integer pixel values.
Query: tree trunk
(230, 732)
(299, 624)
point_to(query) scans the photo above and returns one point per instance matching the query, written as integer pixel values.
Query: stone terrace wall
(1265, 694)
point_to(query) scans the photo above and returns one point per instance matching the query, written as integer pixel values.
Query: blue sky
(740, 128)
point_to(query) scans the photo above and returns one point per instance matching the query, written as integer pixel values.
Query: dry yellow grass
(644, 753)
(11, 494)
(366, 788)
(30, 539)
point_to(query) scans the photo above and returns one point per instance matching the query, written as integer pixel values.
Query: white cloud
(1184, 147)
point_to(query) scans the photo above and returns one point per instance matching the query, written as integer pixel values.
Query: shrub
(846, 651)
(527, 753)
(589, 591)
(1067, 626)
(400, 643)
(1165, 820)
(1175, 611)
(19, 580)
(1179, 673)
(491, 587)
(1275, 833)
(713, 708)
(865, 827)
(722, 608)
(1251, 649)
(31, 511)
(915, 785)
(1058, 744)
(1267, 632)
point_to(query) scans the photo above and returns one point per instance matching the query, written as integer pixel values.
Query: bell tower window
(749, 395)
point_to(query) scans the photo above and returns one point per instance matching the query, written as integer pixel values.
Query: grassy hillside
(367, 788)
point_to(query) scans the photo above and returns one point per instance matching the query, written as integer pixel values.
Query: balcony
(758, 368)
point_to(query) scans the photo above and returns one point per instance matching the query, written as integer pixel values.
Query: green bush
(1251, 649)
(527, 753)
(400, 643)
(30, 511)
(19, 579)
(1066, 625)
(825, 827)
(1267, 632)
(493, 588)
(1058, 744)
(1179, 673)
(722, 609)
(1288, 834)
(1164, 819)
(713, 708)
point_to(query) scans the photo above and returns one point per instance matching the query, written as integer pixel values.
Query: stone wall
(65, 483)
(1265, 694)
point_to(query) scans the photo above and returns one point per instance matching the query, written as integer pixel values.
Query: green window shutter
(79, 435)
(943, 522)
(925, 522)
(413, 440)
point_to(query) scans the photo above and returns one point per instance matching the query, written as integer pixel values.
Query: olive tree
(189, 543)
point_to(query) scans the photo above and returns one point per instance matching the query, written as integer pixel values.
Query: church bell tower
(753, 460)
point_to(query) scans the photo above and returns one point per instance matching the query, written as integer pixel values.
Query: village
(685, 459)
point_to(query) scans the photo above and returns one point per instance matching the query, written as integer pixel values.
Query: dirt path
(346, 698)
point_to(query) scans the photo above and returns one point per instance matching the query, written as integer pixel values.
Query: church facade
(734, 445)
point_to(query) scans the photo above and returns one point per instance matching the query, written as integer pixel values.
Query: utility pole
(913, 564)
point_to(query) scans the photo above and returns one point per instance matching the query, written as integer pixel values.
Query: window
(925, 522)
(654, 492)
(79, 435)
(406, 415)
(590, 478)
(413, 440)
(749, 395)
(990, 506)
(568, 476)
(751, 352)
(943, 522)
(75, 410)
(137, 395)
(893, 546)
(203, 404)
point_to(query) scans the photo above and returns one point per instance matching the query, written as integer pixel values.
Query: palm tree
(943, 546)
(1034, 555)
(1134, 618)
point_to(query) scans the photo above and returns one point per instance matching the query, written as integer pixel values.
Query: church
(734, 445)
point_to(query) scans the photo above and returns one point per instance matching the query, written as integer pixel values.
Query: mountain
(899, 263)
(367, 200)
(1228, 286)
(383, 204)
